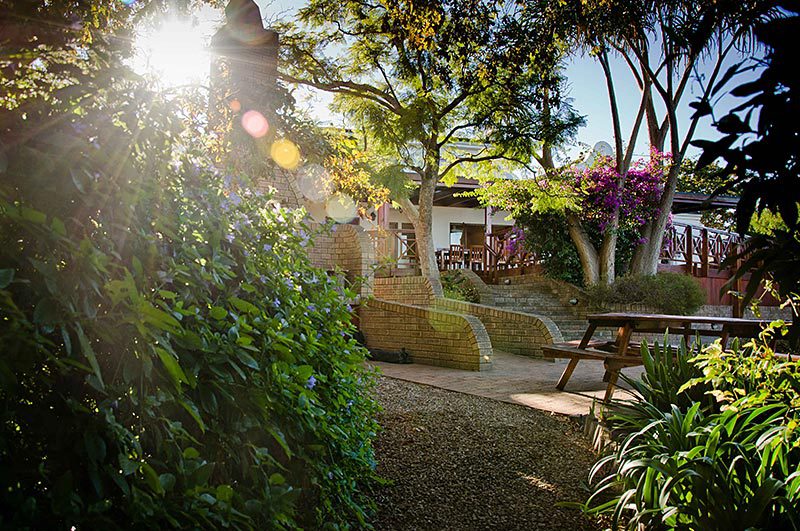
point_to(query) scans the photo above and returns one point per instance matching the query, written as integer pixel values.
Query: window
(456, 233)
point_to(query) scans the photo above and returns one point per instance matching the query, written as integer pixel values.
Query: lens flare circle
(314, 183)
(340, 208)
(255, 124)
(285, 154)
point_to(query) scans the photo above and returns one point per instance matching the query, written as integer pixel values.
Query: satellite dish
(603, 149)
(600, 149)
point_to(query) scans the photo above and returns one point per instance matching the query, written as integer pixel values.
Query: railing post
(688, 249)
(704, 251)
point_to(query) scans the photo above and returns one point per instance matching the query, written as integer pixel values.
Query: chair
(457, 256)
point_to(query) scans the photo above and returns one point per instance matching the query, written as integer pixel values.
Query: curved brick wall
(431, 336)
(514, 332)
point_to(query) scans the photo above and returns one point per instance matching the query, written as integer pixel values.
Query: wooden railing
(698, 248)
(397, 246)
(494, 255)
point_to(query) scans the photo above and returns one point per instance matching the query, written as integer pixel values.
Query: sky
(586, 88)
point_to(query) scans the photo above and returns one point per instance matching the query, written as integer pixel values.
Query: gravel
(458, 461)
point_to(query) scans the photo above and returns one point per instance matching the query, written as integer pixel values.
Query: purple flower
(312, 308)
(235, 198)
(267, 247)
(263, 279)
(230, 238)
(311, 382)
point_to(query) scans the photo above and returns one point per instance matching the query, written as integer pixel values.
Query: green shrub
(456, 286)
(671, 293)
(170, 357)
(711, 442)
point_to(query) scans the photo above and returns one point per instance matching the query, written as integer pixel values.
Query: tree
(761, 148)
(170, 359)
(664, 44)
(420, 74)
(585, 201)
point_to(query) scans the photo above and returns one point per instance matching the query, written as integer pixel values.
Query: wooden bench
(604, 351)
(622, 352)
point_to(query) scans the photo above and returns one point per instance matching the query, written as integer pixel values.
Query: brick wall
(354, 253)
(514, 332)
(410, 290)
(430, 336)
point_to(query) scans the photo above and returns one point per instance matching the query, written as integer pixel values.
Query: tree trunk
(608, 255)
(648, 254)
(586, 251)
(421, 217)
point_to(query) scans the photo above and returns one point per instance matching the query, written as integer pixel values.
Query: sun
(175, 51)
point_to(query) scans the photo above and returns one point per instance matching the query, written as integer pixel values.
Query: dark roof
(684, 202)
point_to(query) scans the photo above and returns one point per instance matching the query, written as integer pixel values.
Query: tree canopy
(419, 75)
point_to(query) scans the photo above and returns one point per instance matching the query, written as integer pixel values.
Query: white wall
(444, 216)
(689, 219)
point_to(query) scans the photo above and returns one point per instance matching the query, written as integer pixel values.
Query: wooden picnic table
(621, 352)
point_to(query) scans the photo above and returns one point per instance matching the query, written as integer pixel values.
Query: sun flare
(175, 52)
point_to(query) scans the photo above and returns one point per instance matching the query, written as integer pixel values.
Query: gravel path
(464, 462)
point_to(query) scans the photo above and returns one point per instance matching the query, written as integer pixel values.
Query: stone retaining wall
(514, 332)
(430, 336)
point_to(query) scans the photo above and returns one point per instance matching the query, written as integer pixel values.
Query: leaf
(151, 478)
(190, 453)
(218, 312)
(58, 227)
(248, 360)
(95, 446)
(277, 479)
(192, 410)
(173, 367)
(224, 493)
(167, 481)
(6, 276)
(33, 215)
(86, 348)
(158, 318)
(244, 306)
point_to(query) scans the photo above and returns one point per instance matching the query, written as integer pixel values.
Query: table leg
(612, 369)
(562, 382)
(588, 335)
(623, 339)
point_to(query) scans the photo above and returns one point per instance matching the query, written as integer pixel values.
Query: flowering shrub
(170, 357)
(638, 201)
(514, 241)
(539, 207)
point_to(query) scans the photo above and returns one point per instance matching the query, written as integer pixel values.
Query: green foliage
(457, 287)
(671, 293)
(710, 442)
(759, 147)
(547, 237)
(170, 357)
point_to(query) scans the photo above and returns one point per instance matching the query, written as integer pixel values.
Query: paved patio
(518, 380)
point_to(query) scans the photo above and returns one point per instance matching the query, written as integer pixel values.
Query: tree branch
(347, 87)
(612, 99)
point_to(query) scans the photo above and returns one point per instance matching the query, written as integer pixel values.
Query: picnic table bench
(622, 352)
